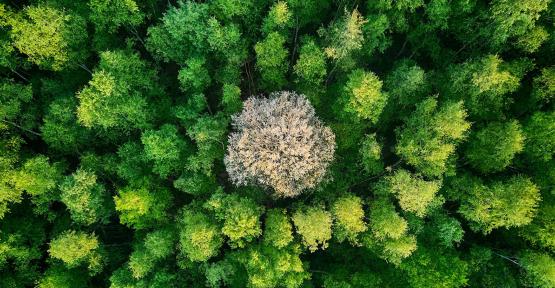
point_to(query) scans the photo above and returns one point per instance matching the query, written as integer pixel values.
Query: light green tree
(77, 248)
(314, 225)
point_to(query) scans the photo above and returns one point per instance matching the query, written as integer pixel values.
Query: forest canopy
(288, 143)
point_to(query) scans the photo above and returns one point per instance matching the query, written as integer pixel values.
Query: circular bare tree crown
(279, 142)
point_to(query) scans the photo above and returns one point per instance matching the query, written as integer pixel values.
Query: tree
(117, 95)
(231, 99)
(58, 276)
(348, 218)
(310, 70)
(388, 234)
(313, 224)
(516, 20)
(60, 129)
(240, 216)
(278, 19)
(271, 60)
(109, 15)
(539, 269)
(86, 199)
(344, 38)
(540, 231)
(142, 208)
(510, 203)
(165, 148)
(444, 268)
(51, 38)
(415, 194)
(484, 85)
(77, 248)
(195, 77)
(362, 96)
(407, 84)
(13, 97)
(544, 86)
(181, 33)
(200, 236)
(540, 141)
(292, 145)
(371, 153)
(39, 179)
(492, 148)
(155, 246)
(278, 231)
(430, 135)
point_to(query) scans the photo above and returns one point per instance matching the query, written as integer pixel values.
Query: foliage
(75, 248)
(500, 204)
(289, 154)
(288, 143)
(271, 60)
(314, 226)
(278, 231)
(371, 153)
(430, 135)
(363, 96)
(200, 236)
(240, 217)
(140, 208)
(51, 38)
(85, 198)
(492, 148)
(348, 217)
(117, 94)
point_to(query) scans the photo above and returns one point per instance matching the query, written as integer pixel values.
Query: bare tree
(279, 143)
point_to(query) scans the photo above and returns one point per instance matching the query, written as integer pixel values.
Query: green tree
(181, 34)
(86, 199)
(492, 148)
(363, 97)
(240, 216)
(195, 77)
(278, 230)
(200, 236)
(278, 19)
(540, 141)
(540, 231)
(415, 194)
(117, 95)
(142, 208)
(109, 15)
(484, 85)
(148, 253)
(51, 38)
(231, 99)
(271, 60)
(539, 269)
(544, 86)
(39, 179)
(267, 266)
(510, 203)
(60, 129)
(77, 248)
(443, 268)
(310, 71)
(430, 135)
(165, 148)
(314, 225)
(344, 38)
(58, 276)
(348, 217)
(371, 153)
(388, 234)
